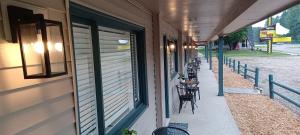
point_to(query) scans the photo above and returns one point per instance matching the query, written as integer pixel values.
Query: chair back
(180, 90)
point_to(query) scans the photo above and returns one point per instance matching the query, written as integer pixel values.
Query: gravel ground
(257, 114)
(231, 79)
(285, 71)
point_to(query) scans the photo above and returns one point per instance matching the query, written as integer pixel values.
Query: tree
(233, 38)
(256, 37)
(291, 20)
(274, 21)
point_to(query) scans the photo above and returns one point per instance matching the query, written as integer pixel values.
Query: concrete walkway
(212, 117)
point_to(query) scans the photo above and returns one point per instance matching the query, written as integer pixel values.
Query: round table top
(169, 131)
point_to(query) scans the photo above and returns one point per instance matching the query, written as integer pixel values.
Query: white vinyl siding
(86, 91)
(117, 76)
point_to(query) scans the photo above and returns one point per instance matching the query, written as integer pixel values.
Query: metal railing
(272, 91)
(243, 70)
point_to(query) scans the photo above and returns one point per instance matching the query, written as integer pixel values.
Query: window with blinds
(119, 72)
(86, 92)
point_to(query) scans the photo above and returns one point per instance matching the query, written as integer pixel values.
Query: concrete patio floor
(212, 117)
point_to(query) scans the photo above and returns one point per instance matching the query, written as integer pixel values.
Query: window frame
(176, 56)
(81, 14)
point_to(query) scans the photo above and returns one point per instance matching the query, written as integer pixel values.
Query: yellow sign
(282, 39)
(267, 34)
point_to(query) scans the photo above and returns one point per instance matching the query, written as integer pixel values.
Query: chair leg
(192, 103)
(195, 96)
(180, 105)
(198, 93)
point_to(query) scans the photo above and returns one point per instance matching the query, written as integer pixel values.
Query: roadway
(292, 49)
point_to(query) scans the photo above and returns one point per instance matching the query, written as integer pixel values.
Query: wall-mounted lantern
(41, 43)
(171, 45)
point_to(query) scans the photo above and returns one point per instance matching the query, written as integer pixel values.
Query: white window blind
(86, 91)
(117, 75)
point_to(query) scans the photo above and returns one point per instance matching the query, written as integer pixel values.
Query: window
(118, 58)
(86, 90)
(112, 54)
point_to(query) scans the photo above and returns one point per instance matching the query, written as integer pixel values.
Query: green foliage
(249, 53)
(181, 76)
(291, 20)
(129, 132)
(233, 38)
(256, 37)
(274, 21)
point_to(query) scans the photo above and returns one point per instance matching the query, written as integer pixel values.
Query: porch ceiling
(204, 19)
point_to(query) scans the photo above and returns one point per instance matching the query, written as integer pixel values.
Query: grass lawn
(248, 53)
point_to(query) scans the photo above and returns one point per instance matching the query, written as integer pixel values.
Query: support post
(220, 55)
(205, 49)
(239, 67)
(270, 42)
(207, 52)
(256, 77)
(229, 62)
(233, 65)
(271, 86)
(210, 56)
(245, 71)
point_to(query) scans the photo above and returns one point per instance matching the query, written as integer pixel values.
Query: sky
(262, 23)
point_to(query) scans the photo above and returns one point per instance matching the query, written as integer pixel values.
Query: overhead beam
(235, 11)
(239, 22)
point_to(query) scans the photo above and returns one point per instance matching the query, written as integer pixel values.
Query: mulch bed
(257, 114)
(231, 79)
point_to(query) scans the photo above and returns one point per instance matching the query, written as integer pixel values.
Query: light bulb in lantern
(190, 46)
(58, 47)
(172, 46)
(185, 47)
(38, 45)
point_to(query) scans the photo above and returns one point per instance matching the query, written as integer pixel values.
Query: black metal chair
(185, 95)
(194, 89)
(169, 131)
(192, 73)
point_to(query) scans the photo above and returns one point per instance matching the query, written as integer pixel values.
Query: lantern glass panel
(55, 46)
(33, 49)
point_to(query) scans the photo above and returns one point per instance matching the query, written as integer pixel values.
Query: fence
(272, 91)
(243, 70)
